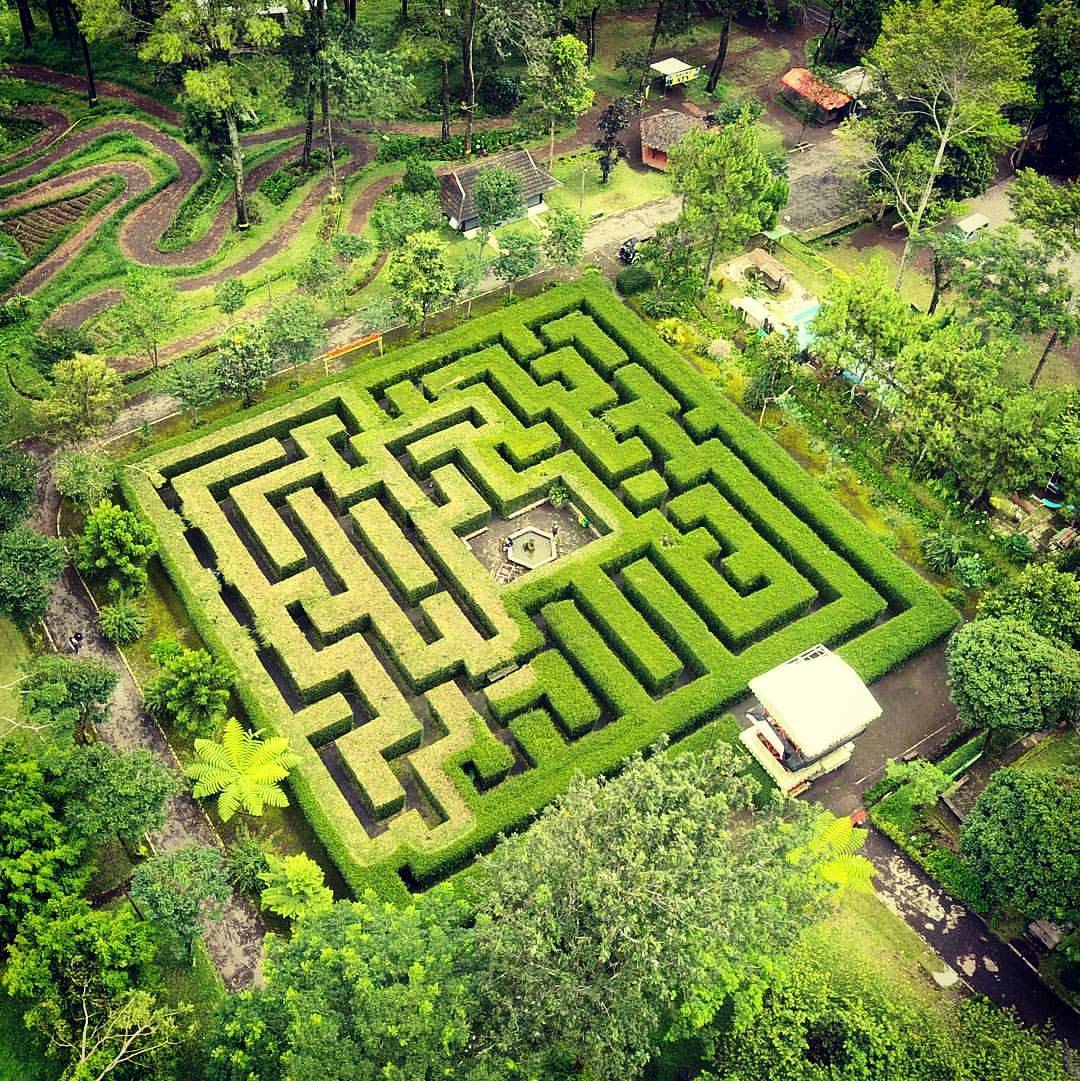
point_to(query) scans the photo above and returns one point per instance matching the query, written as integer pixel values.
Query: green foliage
(556, 88)
(79, 969)
(245, 861)
(192, 691)
(564, 236)
(677, 267)
(114, 548)
(421, 277)
(17, 471)
(397, 217)
(51, 345)
(496, 197)
(30, 564)
(1022, 838)
(401, 147)
(349, 246)
(39, 855)
(243, 771)
(294, 887)
(972, 571)
(248, 1038)
(729, 192)
(230, 295)
(1003, 674)
(1044, 597)
(85, 399)
(419, 176)
(243, 363)
(318, 273)
(586, 953)
(772, 363)
(293, 331)
(611, 123)
(86, 477)
(924, 780)
(634, 279)
(1049, 209)
(369, 990)
(943, 549)
(179, 890)
(194, 383)
(863, 324)
(519, 255)
(148, 312)
(109, 793)
(62, 694)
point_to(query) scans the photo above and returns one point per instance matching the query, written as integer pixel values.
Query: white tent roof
(754, 310)
(671, 66)
(818, 699)
(972, 224)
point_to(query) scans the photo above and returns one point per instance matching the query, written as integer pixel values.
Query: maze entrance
(334, 547)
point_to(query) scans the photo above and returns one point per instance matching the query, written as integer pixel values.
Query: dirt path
(56, 123)
(76, 84)
(235, 941)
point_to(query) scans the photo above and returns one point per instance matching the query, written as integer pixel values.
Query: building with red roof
(804, 87)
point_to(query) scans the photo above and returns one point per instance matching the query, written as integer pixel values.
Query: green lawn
(625, 189)
(1061, 750)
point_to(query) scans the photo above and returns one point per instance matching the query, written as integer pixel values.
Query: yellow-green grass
(1059, 751)
(625, 189)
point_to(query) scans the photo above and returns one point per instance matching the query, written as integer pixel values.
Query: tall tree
(1022, 838)
(497, 198)
(193, 383)
(108, 793)
(215, 46)
(179, 890)
(729, 192)
(115, 546)
(1048, 208)
(1042, 596)
(611, 123)
(243, 363)
(85, 971)
(519, 255)
(421, 277)
(949, 66)
(294, 331)
(148, 313)
(17, 475)
(30, 564)
(564, 236)
(1014, 285)
(62, 696)
(1003, 675)
(1057, 75)
(863, 325)
(192, 690)
(557, 86)
(86, 477)
(39, 855)
(85, 399)
(587, 954)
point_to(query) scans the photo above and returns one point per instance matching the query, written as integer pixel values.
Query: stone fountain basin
(531, 547)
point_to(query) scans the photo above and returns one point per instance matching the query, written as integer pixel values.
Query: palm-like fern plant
(244, 771)
(834, 847)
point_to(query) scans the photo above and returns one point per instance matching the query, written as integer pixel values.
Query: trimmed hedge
(380, 632)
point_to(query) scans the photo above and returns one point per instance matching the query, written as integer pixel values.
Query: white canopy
(818, 699)
(671, 66)
(756, 313)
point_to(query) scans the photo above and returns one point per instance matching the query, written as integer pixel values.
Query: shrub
(634, 279)
(122, 622)
(942, 549)
(245, 861)
(114, 547)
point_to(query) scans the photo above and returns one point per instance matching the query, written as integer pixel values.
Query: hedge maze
(320, 545)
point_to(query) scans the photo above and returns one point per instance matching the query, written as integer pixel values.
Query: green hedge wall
(715, 558)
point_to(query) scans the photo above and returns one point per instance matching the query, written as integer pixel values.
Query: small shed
(660, 132)
(803, 87)
(768, 269)
(671, 72)
(753, 312)
(457, 186)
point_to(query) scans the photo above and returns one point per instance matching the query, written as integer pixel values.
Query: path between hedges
(235, 941)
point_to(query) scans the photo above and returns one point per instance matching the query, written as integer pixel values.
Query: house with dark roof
(456, 187)
(661, 131)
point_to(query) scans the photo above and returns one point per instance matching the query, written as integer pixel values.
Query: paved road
(987, 965)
